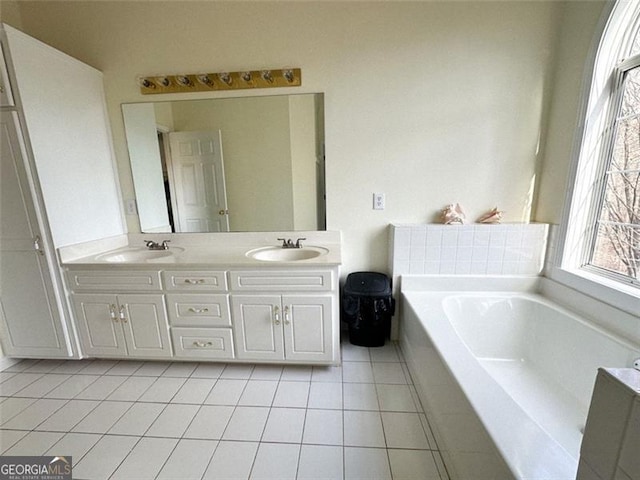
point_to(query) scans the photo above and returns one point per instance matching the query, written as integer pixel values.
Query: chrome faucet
(151, 245)
(288, 243)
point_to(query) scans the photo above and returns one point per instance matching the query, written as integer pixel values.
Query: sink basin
(139, 255)
(279, 254)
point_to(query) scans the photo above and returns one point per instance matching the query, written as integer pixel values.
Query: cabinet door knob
(276, 314)
(37, 245)
(123, 314)
(112, 312)
(287, 317)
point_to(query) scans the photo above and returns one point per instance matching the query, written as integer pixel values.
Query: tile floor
(156, 420)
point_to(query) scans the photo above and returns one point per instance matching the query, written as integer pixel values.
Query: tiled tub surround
(502, 249)
(132, 419)
(506, 374)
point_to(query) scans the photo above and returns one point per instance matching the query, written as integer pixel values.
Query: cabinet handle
(198, 310)
(202, 344)
(191, 281)
(112, 313)
(276, 314)
(1, 88)
(37, 245)
(286, 315)
(123, 315)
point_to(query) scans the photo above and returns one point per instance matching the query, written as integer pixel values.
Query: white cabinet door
(144, 321)
(6, 96)
(308, 327)
(257, 325)
(99, 325)
(29, 317)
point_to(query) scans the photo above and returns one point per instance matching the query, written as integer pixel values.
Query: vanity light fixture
(204, 82)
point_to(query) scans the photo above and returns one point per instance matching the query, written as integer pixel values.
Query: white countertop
(199, 250)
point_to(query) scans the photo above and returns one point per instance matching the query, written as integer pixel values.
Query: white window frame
(586, 187)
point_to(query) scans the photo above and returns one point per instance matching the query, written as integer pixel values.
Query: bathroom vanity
(219, 299)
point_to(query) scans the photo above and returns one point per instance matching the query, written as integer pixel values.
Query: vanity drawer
(120, 281)
(213, 343)
(290, 280)
(198, 310)
(195, 280)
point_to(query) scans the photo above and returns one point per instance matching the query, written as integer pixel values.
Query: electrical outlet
(378, 201)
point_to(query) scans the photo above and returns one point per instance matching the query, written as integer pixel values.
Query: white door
(257, 326)
(99, 325)
(29, 317)
(307, 327)
(197, 182)
(144, 320)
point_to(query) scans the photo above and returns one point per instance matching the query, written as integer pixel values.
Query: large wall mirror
(250, 164)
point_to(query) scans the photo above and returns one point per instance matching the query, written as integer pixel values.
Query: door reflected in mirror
(247, 164)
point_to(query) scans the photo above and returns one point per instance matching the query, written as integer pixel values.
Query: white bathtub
(505, 374)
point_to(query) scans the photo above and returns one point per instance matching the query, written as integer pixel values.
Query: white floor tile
(323, 427)
(291, 394)
(74, 445)
(395, 398)
(247, 423)
(162, 390)
(357, 372)
(366, 464)
(363, 429)
(258, 393)
(17, 383)
(180, 369)
(152, 369)
(173, 421)
(444, 475)
(71, 367)
(326, 374)
(42, 386)
(101, 388)
(404, 430)
(44, 366)
(387, 353)
(105, 456)
(427, 429)
(208, 370)
(354, 353)
(8, 438)
(320, 462)
(325, 395)
(6, 376)
(132, 388)
(98, 367)
(68, 416)
(412, 464)
(237, 371)
(189, 460)
(284, 425)
(103, 417)
(13, 406)
(389, 373)
(146, 459)
(210, 422)
(34, 444)
(72, 387)
(266, 372)
(275, 461)
(124, 367)
(360, 396)
(20, 365)
(232, 461)
(194, 390)
(138, 419)
(226, 392)
(34, 414)
(298, 373)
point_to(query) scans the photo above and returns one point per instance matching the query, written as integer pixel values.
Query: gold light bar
(206, 82)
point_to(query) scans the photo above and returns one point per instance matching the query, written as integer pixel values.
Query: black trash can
(367, 307)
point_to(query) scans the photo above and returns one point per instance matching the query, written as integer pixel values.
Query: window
(601, 240)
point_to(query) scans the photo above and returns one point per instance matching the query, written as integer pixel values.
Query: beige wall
(427, 102)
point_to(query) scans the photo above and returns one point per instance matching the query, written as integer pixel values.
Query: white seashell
(492, 216)
(453, 215)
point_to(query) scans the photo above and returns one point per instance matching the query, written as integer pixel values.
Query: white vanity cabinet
(112, 321)
(285, 315)
(6, 95)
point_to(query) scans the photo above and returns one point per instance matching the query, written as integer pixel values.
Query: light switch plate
(378, 201)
